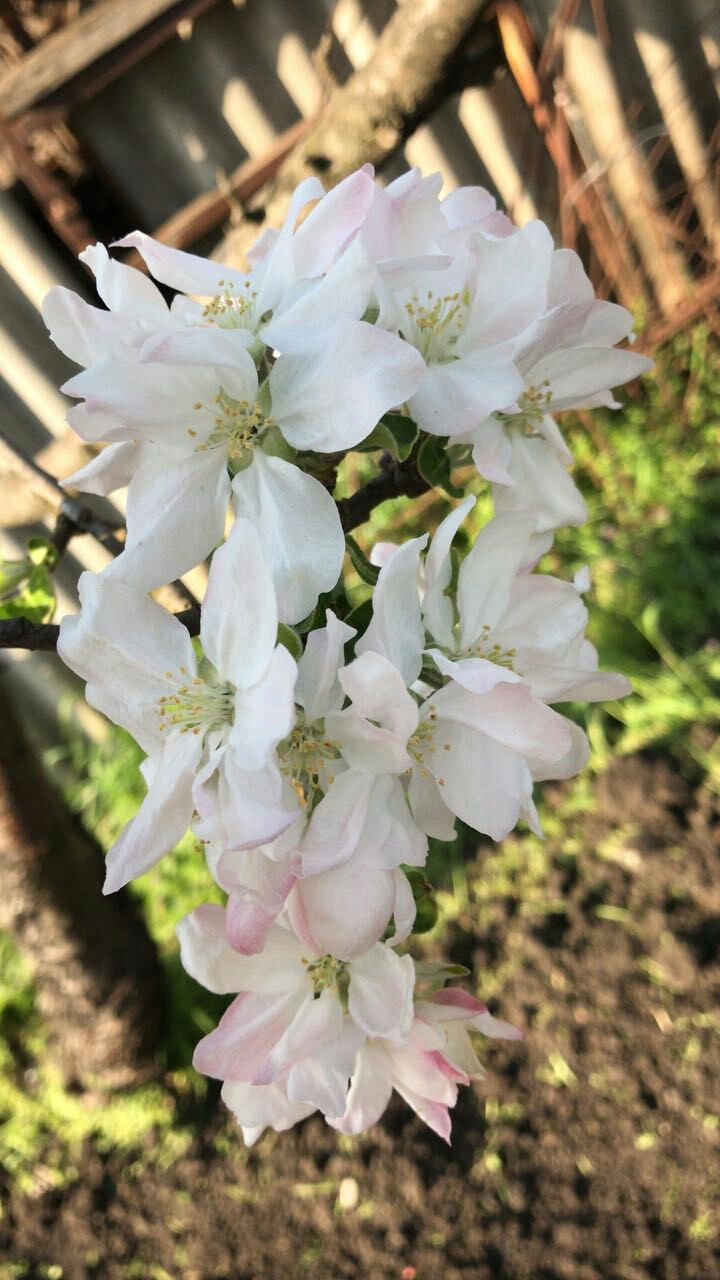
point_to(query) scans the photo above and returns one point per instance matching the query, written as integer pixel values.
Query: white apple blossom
(195, 720)
(426, 1069)
(294, 1009)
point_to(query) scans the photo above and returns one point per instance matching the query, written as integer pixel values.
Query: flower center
(196, 706)
(482, 648)
(422, 744)
(436, 324)
(237, 427)
(533, 405)
(305, 759)
(229, 310)
(327, 972)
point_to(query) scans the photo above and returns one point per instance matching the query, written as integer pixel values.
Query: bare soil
(592, 1152)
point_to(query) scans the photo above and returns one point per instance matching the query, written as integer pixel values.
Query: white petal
(396, 630)
(437, 608)
(264, 713)
(109, 470)
(163, 816)
(487, 573)
(176, 511)
(485, 784)
(318, 688)
(122, 288)
(330, 398)
(184, 271)
(380, 999)
(298, 527)
(456, 397)
(345, 910)
(83, 333)
(370, 1090)
(239, 613)
(130, 651)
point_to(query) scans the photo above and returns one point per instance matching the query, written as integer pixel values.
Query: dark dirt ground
(592, 1151)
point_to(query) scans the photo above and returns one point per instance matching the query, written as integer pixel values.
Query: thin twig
(395, 480)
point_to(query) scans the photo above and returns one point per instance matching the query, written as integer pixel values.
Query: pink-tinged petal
(447, 1069)
(248, 1032)
(396, 630)
(239, 613)
(318, 688)
(275, 270)
(321, 1023)
(209, 957)
(186, 272)
(370, 1090)
(163, 816)
(122, 288)
(299, 529)
(109, 470)
(454, 1002)
(176, 511)
(130, 651)
(247, 925)
(468, 206)
(252, 909)
(435, 1115)
(343, 911)
(380, 999)
(332, 396)
(455, 398)
(264, 713)
(83, 333)
(321, 238)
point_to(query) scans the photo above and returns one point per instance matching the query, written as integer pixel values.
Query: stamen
(327, 972)
(437, 323)
(305, 759)
(197, 708)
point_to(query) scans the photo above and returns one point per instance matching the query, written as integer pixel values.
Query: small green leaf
(404, 432)
(290, 639)
(360, 617)
(35, 600)
(43, 551)
(360, 563)
(395, 432)
(434, 465)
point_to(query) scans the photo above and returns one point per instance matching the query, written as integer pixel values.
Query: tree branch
(395, 480)
(428, 50)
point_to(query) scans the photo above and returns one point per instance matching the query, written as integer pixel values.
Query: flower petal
(299, 529)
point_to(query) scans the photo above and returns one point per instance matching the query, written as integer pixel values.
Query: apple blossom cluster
(315, 747)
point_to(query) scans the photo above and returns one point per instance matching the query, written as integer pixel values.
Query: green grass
(651, 476)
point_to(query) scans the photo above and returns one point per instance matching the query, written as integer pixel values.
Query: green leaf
(360, 563)
(36, 599)
(43, 551)
(404, 432)
(434, 465)
(360, 617)
(395, 432)
(290, 639)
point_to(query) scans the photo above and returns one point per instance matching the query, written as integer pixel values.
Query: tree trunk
(97, 971)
